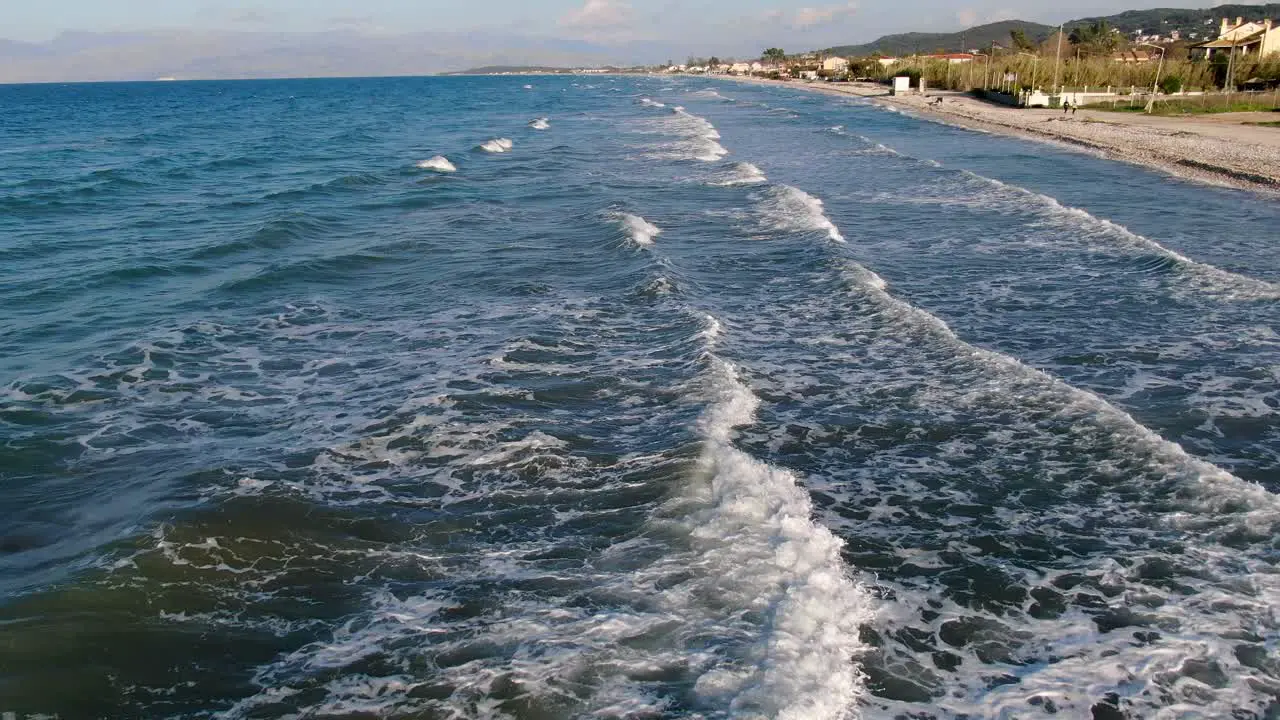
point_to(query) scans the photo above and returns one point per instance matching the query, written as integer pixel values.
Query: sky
(794, 24)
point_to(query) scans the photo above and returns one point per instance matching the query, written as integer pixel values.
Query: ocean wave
(754, 545)
(790, 209)
(639, 231)
(540, 124)
(497, 145)
(742, 174)
(439, 163)
(703, 136)
(992, 194)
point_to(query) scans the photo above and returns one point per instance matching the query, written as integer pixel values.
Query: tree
(1220, 64)
(1020, 41)
(714, 61)
(1096, 39)
(1171, 85)
(774, 56)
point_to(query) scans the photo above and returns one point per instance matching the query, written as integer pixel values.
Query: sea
(546, 397)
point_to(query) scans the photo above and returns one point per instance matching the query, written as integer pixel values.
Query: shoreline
(1199, 149)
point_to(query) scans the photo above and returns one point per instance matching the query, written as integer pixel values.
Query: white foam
(540, 124)
(753, 538)
(712, 94)
(528, 87)
(640, 231)
(497, 145)
(1207, 278)
(439, 163)
(704, 136)
(742, 174)
(652, 103)
(791, 209)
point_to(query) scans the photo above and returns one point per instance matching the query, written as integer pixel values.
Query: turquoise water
(561, 397)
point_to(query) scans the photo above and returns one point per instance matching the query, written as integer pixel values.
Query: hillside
(1162, 21)
(1159, 21)
(976, 37)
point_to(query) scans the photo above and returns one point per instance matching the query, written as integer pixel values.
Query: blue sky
(798, 23)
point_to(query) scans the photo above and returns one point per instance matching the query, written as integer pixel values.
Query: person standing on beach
(1066, 107)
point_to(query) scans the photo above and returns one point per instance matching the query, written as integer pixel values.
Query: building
(887, 61)
(1132, 56)
(953, 58)
(835, 64)
(1258, 39)
(740, 68)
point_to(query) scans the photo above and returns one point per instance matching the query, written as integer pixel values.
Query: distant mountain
(976, 37)
(1160, 21)
(200, 55)
(509, 69)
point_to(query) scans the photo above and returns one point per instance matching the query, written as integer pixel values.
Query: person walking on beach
(1066, 107)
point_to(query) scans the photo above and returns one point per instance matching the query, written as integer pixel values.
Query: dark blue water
(380, 398)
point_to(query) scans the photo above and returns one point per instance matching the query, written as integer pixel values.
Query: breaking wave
(439, 163)
(497, 145)
(790, 209)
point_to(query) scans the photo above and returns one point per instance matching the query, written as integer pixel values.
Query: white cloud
(808, 17)
(598, 15)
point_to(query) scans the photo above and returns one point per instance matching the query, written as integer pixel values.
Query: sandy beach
(1217, 149)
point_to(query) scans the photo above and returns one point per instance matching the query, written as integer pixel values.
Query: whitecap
(754, 545)
(743, 173)
(497, 145)
(540, 123)
(791, 209)
(439, 163)
(640, 231)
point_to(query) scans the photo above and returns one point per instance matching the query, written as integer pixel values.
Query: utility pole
(1058, 60)
(1230, 84)
(1151, 104)
(986, 79)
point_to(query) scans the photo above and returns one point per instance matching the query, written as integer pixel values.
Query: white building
(1258, 39)
(835, 64)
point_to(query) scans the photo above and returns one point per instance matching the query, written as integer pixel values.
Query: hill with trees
(1160, 21)
(975, 37)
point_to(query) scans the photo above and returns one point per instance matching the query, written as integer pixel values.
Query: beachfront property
(952, 58)
(1133, 56)
(1258, 38)
(835, 64)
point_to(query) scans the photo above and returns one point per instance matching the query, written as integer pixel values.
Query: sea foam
(791, 209)
(640, 231)
(742, 174)
(755, 546)
(497, 145)
(540, 123)
(439, 163)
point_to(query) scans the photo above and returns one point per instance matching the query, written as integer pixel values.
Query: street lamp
(1151, 104)
(1035, 67)
(1057, 60)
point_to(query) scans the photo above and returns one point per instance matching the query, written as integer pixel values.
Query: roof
(1221, 43)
